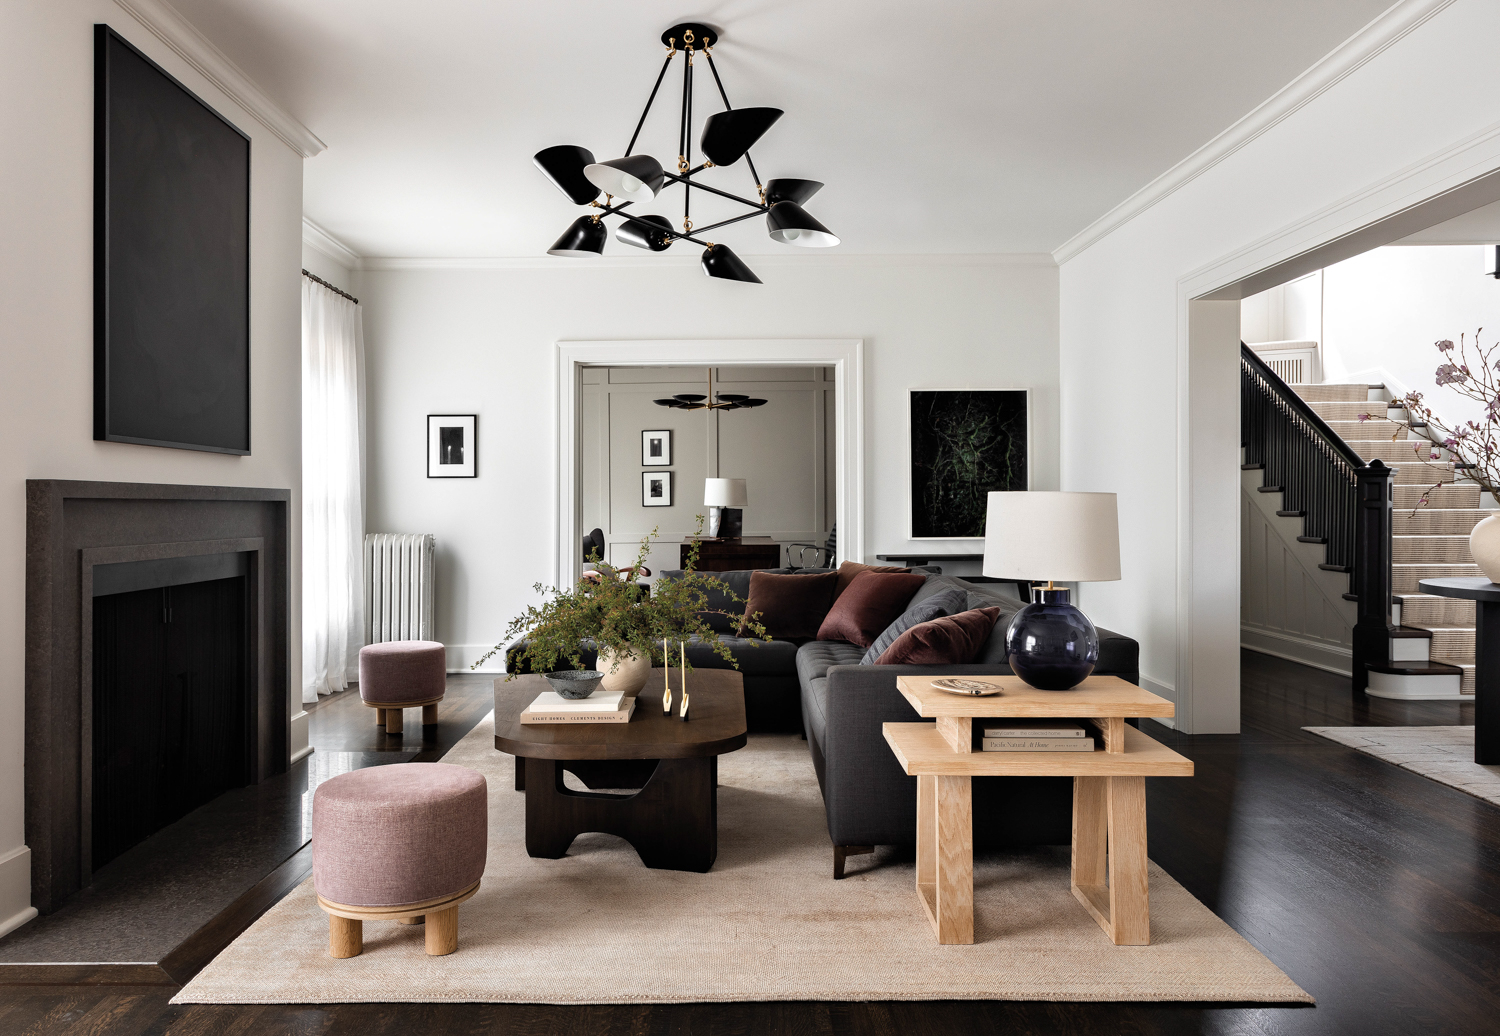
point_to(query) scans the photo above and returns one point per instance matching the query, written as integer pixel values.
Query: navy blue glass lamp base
(1051, 644)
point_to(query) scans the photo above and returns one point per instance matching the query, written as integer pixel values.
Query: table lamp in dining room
(719, 494)
(1072, 537)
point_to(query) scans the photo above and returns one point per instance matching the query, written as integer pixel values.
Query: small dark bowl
(574, 684)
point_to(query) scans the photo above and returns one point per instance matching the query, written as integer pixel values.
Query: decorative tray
(969, 688)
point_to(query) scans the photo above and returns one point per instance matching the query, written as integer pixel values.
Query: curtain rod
(337, 291)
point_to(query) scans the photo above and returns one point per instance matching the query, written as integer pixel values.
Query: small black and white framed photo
(656, 489)
(452, 445)
(656, 449)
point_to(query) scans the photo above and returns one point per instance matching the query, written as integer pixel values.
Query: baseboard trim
(301, 754)
(16, 920)
(1319, 656)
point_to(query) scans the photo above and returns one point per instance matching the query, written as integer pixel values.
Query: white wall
(1129, 423)
(482, 340)
(46, 318)
(1382, 312)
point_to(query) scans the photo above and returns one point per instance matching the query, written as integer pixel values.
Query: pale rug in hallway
(767, 923)
(1443, 754)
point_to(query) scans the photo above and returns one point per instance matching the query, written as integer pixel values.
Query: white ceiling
(955, 126)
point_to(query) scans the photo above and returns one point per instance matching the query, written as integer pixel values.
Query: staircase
(1432, 647)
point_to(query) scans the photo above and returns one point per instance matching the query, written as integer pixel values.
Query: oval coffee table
(1486, 598)
(672, 820)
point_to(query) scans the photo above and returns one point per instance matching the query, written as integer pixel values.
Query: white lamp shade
(1068, 537)
(724, 492)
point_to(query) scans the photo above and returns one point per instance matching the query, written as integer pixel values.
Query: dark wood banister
(1299, 406)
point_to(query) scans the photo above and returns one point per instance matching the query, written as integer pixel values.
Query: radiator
(398, 586)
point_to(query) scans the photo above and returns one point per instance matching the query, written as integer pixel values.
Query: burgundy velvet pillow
(872, 602)
(948, 640)
(849, 569)
(791, 606)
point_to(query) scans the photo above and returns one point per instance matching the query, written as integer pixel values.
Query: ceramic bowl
(574, 684)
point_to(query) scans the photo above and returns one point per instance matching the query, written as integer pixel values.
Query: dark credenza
(732, 555)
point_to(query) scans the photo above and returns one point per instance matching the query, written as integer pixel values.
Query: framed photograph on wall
(452, 445)
(656, 449)
(965, 444)
(656, 489)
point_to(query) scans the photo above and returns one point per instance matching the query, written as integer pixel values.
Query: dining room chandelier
(712, 401)
(635, 179)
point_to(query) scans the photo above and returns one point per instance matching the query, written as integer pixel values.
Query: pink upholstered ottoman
(402, 674)
(401, 842)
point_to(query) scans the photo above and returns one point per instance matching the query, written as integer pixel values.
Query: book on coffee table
(599, 707)
(1037, 744)
(1033, 728)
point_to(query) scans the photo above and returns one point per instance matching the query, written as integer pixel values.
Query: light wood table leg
(393, 720)
(442, 932)
(345, 936)
(945, 856)
(1090, 833)
(1112, 811)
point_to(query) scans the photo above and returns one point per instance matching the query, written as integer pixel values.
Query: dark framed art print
(656, 489)
(452, 445)
(656, 449)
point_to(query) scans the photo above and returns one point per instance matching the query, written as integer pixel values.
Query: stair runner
(1429, 540)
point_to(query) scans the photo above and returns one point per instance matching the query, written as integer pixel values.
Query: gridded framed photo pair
(656, 489)
(656, 449)
(452, 445)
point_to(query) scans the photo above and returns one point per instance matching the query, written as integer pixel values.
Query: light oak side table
(1109, 793)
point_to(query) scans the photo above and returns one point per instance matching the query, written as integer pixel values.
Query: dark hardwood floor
(1375, 889)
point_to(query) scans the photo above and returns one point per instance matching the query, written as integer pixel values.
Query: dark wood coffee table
(672, 820)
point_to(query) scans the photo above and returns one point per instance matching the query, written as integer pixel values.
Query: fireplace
(156, 662)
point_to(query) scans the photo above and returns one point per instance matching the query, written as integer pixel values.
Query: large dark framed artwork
(965, 444)
(171, 260)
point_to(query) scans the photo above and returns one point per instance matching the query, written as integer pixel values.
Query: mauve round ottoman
(398, 842)
(402, 674)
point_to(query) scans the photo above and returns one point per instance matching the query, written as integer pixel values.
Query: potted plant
(627, 623)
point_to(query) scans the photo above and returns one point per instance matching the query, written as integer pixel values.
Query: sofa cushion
(868, 606)
(719, 602)
(947, 602)
(790, 606)
(816, 656)
(755, 657)
(949, 640)
(849, 569)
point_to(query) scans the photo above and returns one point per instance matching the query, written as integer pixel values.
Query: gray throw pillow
(944, 602)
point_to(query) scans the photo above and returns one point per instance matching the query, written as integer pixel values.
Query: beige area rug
(767, 923)
(1443, 754)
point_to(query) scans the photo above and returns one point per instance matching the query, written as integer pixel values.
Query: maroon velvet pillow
(849, 569)
(948, 640)
(871, 602)
(791, 606)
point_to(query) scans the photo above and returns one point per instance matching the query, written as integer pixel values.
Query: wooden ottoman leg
(345, 936)
(418, 919)
(380, 717)
(393, 720)
(442, 932)
(429, 715)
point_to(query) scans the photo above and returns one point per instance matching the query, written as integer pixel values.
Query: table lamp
(1074, 537)
(719, 493)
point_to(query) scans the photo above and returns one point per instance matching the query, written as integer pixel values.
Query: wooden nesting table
(1109, 793)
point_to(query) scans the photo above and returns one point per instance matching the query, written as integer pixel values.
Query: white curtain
(332, 492)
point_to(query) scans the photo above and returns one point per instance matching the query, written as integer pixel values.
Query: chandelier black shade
(719, 261)
(584, 239)
(790, 224)
(798, 191)
(653, 232)
(712, 401)
(563, 165)
(728, 135)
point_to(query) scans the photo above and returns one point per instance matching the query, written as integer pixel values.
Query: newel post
(1372, 568)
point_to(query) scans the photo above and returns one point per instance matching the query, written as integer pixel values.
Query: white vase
(1484, 544)
(626, 674)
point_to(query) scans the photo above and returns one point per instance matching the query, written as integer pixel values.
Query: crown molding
(1366, 44)
(192, 46)
(324, 243)
(626, 262)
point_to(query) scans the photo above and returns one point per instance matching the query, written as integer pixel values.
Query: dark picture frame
(656, 489)
(656, 448)
(965, 444)
(171, 260)
(452, 445)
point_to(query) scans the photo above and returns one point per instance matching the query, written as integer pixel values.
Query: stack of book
(1037, 735)
(599, 707)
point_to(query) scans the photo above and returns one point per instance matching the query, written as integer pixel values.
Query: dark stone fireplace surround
(70, 528)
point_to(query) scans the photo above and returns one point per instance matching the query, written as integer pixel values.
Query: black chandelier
(721, 401)
(727, 137)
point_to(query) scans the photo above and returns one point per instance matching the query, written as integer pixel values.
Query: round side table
(1486, 598)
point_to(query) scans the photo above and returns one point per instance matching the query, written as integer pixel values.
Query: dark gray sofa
(841, 705)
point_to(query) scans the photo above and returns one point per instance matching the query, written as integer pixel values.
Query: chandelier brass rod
(649, 101)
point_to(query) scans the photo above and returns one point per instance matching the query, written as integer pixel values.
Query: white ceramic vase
(626, 674)
(1484, 544)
